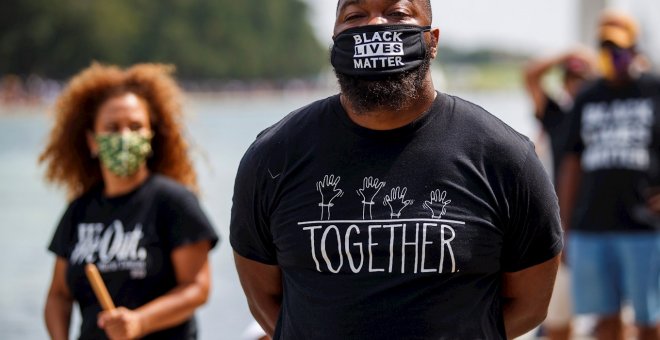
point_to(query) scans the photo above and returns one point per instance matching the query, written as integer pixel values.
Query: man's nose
(377, 20)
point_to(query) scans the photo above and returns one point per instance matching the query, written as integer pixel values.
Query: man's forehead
(341, 4)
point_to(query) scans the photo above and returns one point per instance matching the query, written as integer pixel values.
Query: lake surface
(221, 129)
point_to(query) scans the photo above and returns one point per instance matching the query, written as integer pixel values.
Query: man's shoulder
(473, 112)
(485, 136)
(294, 129)
(590, 90)
(297, 121)
(598, 89)
(650, 79)
(483, 122)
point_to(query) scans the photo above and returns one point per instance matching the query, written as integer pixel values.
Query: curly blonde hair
(68, 159)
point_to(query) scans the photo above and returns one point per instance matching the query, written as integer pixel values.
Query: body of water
(221, 129)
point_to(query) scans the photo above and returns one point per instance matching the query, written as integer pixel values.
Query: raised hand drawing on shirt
(328, 189)
(370, 188)
(437, 197)
(397, 202)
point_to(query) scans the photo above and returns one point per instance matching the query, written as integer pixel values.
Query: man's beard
(392, 93)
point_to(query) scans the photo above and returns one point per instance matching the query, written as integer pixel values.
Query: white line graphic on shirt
(273, 176)
(395, 231)
(112, 249)
(426, 242)
(618, 134)
(437, 197)
(384, 221)
(397, 202)
(370, 188)
(328, 190)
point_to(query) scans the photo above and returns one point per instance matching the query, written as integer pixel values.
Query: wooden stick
(98, 286)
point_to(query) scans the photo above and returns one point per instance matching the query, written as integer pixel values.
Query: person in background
(118, 147)
(391, 210)
(609, 185)
(576, 68)
(550, 110)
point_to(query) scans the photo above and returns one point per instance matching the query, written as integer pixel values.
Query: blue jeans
(615, 267)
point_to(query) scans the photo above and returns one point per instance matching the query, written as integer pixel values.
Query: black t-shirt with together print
(130, 238)
(398, 234)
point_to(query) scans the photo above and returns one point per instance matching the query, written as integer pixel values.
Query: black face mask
(377, 51)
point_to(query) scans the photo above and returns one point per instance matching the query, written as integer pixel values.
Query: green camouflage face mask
(123, 153)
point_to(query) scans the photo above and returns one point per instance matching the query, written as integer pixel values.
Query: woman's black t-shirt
(130, 238)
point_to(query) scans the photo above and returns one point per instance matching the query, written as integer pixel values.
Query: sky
(534, 27)
(512, 24)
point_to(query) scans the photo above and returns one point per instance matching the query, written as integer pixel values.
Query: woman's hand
(121, 323)
(193, 276)
(59, 302)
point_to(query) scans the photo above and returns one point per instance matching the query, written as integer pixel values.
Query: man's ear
(435, 38)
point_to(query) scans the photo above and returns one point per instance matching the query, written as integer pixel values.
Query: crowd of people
(604, 140)
(388, 211)
(15, 90)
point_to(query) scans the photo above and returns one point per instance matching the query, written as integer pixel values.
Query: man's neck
(623, 80)
(387, 119)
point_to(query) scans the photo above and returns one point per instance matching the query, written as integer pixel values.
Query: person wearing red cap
(609, 184)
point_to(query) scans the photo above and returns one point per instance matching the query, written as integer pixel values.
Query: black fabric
(465, 191)
(130, 239)
(616, 133)
(555, 124)
(377, 51)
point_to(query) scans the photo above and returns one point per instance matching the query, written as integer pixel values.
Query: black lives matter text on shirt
(616, 133)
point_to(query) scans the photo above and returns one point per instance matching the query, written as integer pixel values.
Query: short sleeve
(60, 243)
(553, 115)
(249, 233)
(534, 233)
(186, 221)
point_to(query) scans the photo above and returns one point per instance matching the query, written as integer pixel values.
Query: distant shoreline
(451, 77)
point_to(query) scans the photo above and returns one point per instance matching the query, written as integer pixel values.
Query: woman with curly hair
(118, 147)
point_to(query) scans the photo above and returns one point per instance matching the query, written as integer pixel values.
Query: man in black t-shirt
(392, 211)
(608, 188)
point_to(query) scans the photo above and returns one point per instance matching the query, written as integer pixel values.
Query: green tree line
(204, 39)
